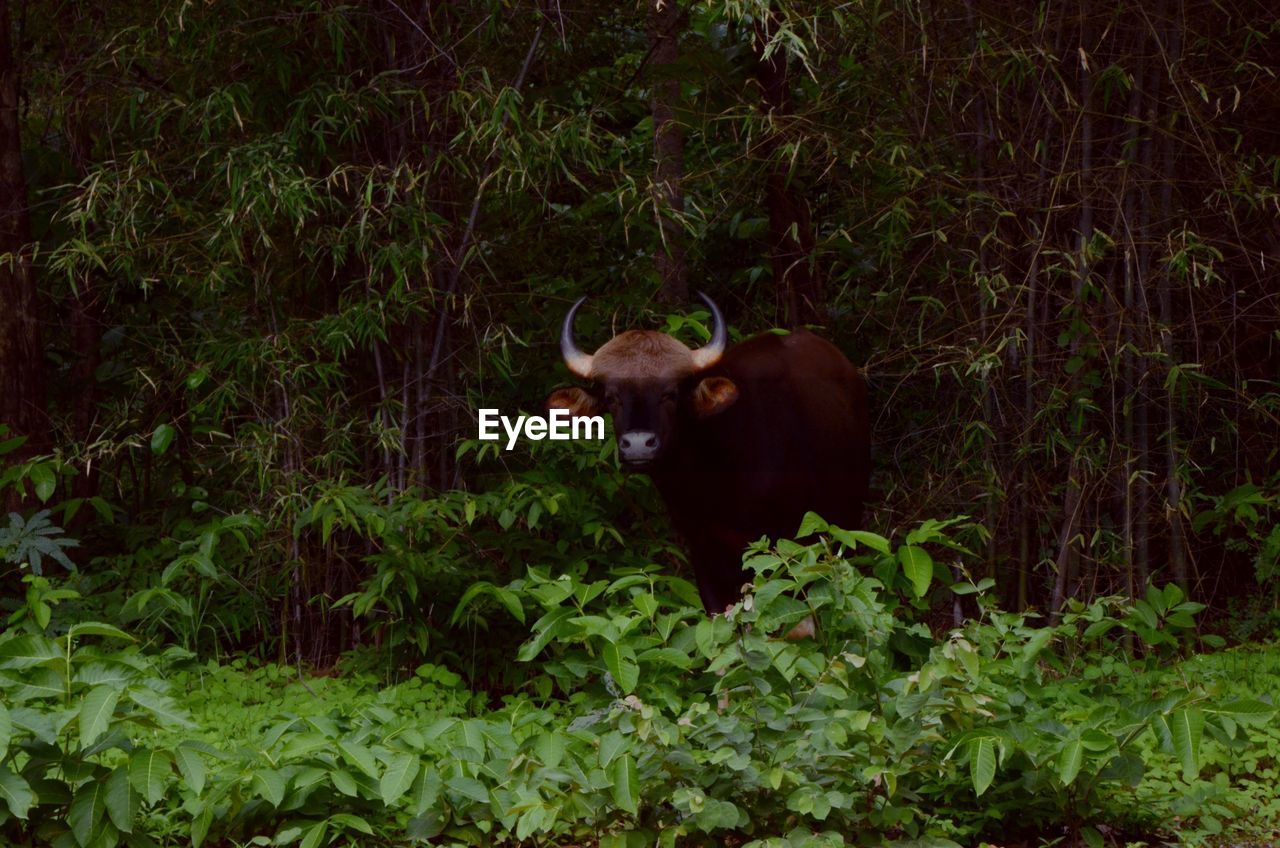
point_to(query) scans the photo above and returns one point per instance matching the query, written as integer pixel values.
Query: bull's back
(796, 440)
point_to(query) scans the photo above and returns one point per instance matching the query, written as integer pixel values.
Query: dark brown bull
(740, 442)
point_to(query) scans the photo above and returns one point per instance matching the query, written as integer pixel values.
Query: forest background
(268, 263)
(262, 265)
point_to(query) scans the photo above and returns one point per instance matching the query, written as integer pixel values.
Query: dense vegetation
(644, 722)
(261, 263)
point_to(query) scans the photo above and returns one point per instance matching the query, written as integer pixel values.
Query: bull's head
(648, 382)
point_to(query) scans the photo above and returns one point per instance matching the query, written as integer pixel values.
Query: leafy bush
(643, 722)
(77, 719)
(850, 730)
(29, 541)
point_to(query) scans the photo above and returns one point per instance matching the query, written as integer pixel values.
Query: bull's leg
(720, 581)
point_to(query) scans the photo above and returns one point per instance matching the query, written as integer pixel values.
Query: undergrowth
(641, 722)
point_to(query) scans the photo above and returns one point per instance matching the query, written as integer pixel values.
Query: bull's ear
(713, 395)
(578, 401)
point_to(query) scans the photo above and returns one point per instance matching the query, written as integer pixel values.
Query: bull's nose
(638, 446)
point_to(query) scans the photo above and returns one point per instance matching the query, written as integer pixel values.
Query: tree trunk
(791, 239)
(665, 22)
(22, 392)
(1164, 295)
(86, 322)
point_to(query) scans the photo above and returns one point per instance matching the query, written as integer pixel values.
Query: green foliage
(42, 472)
(28, 541)
(434, 550)
(283, 256)
(1246, 517)
(642, 721)
(319, 239)
(874, 726)
(76, 709)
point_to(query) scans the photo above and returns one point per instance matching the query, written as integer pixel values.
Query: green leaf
(344, 783)
(398, 777)
(191, 766)
(359, 756)
(28, 651)
(1186, 727)
(982, 763)
(36, 722)
(314, 836)
(44, 480)
(1128, 768)
(200, 826)
(621, 662)
(511, 601)
(102, 674)
(16, 793)
(1070, 760)
(469, 787)
(1143, 610)
(98, 628)
(612, 744)
(1247, 710)
(425, 792)
(1100, 628)
(148, 770)
(6, 730)
(87, 807)
(550, 748)
(10, 445)
(545, 629)
(162, 438)
(1155, 598)
(1034, 646)
(95, 713)
(161, 706)
(39, 683)
(270, 785)
(626, 784)
(812, 523)
(853, 538)
(917, 565)
(121, 800)
(475, 590)
(351, 821)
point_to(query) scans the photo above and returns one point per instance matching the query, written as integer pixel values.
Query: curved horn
(579, 363)
(710, 353)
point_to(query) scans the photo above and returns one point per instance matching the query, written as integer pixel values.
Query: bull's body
(796, 440)
(741, 441)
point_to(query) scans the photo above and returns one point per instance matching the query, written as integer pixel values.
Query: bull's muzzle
(638, 446)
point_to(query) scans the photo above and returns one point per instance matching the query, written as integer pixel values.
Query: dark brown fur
(797, 439)
(777, 428)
